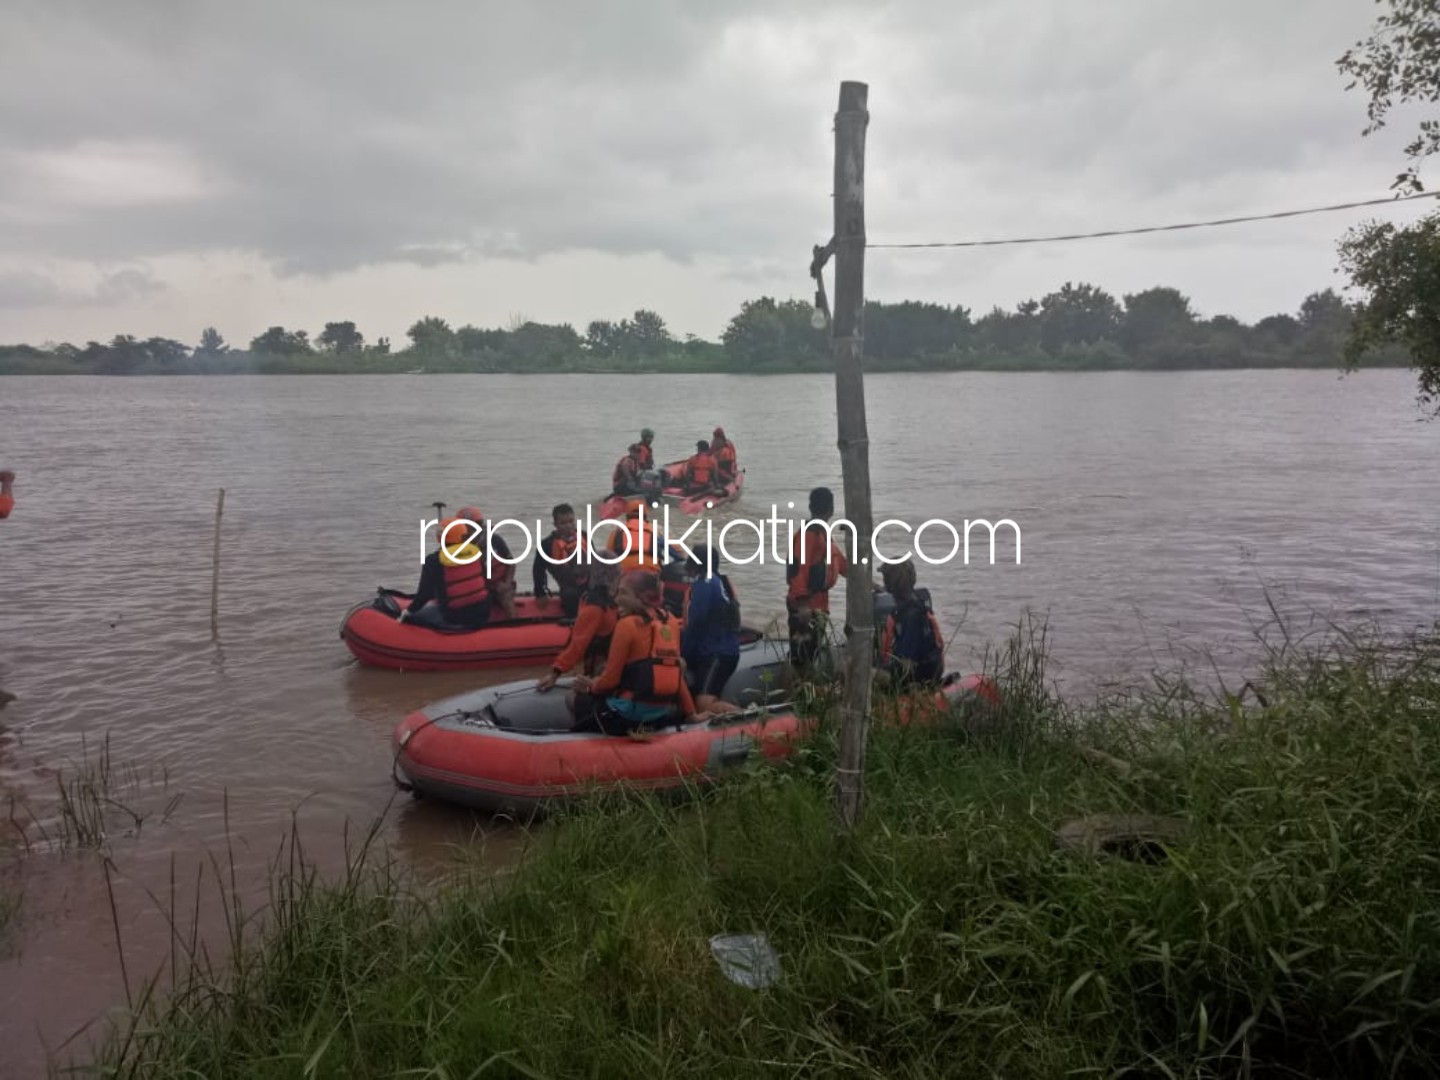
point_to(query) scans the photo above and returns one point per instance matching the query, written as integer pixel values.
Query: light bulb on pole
(818, 319)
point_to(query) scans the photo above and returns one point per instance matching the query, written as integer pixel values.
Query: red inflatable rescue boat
(508, 749)
(533, 640)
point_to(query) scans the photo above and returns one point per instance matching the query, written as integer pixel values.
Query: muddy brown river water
(1154, 511)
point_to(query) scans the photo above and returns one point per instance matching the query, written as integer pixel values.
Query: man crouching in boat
(453, 578)
(643, 684)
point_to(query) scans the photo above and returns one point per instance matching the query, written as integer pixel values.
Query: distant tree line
(1077, 327)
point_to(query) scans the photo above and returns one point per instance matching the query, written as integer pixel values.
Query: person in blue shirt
(710, 636)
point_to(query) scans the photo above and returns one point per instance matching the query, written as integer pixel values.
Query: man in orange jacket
(814, 567)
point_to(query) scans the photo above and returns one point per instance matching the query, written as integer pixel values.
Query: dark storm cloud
(329, 135)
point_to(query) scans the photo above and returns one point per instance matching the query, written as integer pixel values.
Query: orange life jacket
(563, 549)
(808, 552)
(7, 503)
(641, 540)
(465, 586)
(647, 457)
(700, 470)
(725, 459)
(598, 651)
(655, 679)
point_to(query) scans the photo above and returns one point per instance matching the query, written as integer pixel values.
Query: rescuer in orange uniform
(643, 683)
(594, 627)
(814, 566)
(724, 451)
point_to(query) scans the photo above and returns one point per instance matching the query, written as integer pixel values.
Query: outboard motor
(650, 484)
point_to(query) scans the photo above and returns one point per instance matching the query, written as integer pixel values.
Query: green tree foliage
(1399, 271)
(1398, 64)
(1077, 327)
(277, 341)
(1154, 317)
(911, 330)
(432, 335)
(211, 344)
(767, 334)
(341, 337)
(1077, 315)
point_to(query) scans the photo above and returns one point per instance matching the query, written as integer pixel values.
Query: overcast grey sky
(171, 164)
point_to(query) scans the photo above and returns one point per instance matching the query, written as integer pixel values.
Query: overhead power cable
(1163, 228)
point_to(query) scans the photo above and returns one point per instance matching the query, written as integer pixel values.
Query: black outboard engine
(650, 484)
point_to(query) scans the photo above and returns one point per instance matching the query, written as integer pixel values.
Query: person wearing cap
(625, 480)
(724, 452)
(647, 452)
(643, 683)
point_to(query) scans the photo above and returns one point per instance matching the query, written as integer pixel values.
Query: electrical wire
(1163, 228)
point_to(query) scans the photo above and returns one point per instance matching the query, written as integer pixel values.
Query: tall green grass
(1293, 931)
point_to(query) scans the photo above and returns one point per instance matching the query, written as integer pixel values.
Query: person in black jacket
(565, 541)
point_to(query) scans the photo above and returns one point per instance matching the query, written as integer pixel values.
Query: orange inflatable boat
(508, 749)
(372, 634)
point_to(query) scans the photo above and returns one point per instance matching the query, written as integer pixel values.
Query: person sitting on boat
(7, 499)
(812, 570)
(700, 470)
(644, 540)
(643, 683)
(589, 642)
(710, 634)
(912, 648)
(452, 578)
(724, 452)
(565, 542)
(647, 452)
(625, 480)
(501, 573)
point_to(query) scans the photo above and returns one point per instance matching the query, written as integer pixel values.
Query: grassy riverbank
(1293, 930)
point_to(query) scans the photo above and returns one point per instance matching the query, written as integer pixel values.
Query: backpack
(915, 637)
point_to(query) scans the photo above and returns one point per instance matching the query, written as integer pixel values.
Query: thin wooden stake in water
(215, 570)
(846, 341)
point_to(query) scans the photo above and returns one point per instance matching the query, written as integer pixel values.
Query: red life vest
(465, 586)
(656, 678)
(563, 549)
(700, 470)
(809, 551)
(647, 457)
(725, 460)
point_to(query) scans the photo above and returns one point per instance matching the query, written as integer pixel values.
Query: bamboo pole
(846, 342)
(215, 569)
